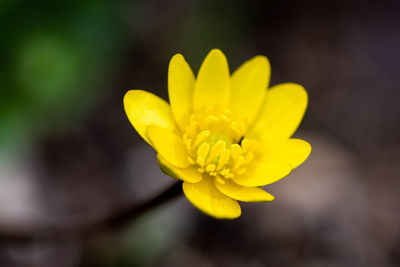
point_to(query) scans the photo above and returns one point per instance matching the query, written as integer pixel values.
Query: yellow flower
(224, 136)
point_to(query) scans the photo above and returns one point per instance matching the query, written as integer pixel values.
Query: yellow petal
(180, 89)
(169, 145)
(190, 174)
(295, 151)
(281, 113)
(207, 198)
(274, 162)
(212, 86)
(244, 193)
(261, 173)
(249, 85)
(144, 109)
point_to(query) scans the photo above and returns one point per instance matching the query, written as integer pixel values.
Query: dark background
(69, 154)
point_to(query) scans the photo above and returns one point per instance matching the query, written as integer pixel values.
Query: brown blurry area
(340, 208)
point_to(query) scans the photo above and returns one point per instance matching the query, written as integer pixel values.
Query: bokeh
(68, 154)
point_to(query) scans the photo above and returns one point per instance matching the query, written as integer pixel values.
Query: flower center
(215, 143)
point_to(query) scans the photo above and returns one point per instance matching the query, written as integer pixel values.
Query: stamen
(203, 150)
(239, 162)
(216, 150)
(236, 151)
(220, 180)
(193, 128)
(240, 171)
(245, 145)
(212, 139)
(200, 138)
(189, 145)
(224, 172)
(248, 157)
(190, 160)
(200, 161)
(237, 127)
(209, 121)
(211, 168)
(224, 158)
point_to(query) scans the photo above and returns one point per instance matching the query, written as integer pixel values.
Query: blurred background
(68, 154)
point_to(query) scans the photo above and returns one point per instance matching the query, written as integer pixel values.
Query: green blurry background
(69, 155)
(54, 57)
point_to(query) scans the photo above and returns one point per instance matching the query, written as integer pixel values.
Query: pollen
(216, 145)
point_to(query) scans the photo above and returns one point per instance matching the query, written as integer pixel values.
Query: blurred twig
(114, 221)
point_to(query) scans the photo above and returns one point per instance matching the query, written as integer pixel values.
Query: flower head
(223, 135)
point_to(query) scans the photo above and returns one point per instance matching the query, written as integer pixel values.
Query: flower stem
(115, 221)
